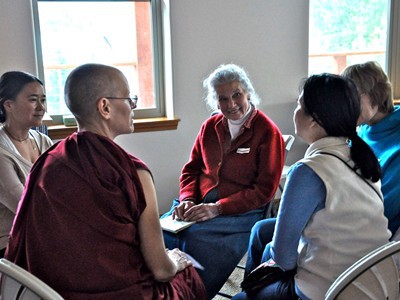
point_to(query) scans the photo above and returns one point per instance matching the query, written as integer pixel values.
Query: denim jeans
(280, 290)
(259, 252)
(261, 234)
(218, 244)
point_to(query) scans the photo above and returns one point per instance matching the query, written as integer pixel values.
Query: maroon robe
(76, 226)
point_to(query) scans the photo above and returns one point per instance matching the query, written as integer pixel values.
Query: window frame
(160, 30)
(393, 48)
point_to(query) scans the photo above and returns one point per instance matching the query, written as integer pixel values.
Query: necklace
(33, 144)
(15, 137)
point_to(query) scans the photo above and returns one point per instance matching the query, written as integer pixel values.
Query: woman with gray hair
(224, 74)
(233, 172)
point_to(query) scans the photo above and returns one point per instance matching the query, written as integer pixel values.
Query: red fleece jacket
(246, 171)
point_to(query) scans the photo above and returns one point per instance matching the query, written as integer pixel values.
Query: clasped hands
(187, 210)
(179, 258)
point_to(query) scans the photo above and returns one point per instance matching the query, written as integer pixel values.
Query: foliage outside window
(345, 32)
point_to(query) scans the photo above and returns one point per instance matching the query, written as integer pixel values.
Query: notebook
(174, 226)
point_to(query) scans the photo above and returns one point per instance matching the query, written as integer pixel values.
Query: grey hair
(226, 74)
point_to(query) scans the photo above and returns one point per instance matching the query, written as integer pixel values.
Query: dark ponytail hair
(334, 103)
(11, 84)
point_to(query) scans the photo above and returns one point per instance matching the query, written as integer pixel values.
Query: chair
(289, 140)
(273, 205)
(375, 276)
(396, 235)
(18, 284)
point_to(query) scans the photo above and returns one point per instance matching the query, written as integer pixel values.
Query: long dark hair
(334, 103)
(11, 84)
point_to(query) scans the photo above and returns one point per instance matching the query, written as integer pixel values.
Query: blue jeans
(258, 251)
(218, 244)
(280, 290)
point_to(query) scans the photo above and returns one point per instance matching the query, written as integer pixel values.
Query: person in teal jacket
(380, 129)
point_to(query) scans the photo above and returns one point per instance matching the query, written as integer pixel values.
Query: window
(346, 32)
(394, 49)
(123, 33)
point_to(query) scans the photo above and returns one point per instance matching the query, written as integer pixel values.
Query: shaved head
(88, 83)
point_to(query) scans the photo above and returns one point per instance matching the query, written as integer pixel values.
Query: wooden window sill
(57, 132)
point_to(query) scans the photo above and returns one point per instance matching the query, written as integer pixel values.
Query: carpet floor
(232, 285)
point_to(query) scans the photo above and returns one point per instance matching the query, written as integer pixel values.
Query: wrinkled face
(233, 101)
(28, 108)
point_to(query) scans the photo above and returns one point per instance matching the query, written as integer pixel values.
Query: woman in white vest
(331, 212)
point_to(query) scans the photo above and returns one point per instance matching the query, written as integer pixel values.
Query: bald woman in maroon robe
(88, 222)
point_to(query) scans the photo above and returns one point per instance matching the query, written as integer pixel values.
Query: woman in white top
(331, 212)
(22, 106)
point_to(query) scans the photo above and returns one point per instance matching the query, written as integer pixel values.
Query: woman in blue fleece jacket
(380, 129)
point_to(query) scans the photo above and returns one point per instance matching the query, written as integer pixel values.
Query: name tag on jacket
(243, 150)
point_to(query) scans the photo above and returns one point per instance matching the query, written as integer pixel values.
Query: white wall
(17, 50)
(269, 38)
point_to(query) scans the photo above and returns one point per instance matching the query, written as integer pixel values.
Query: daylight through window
(119, 33)
(347, 32)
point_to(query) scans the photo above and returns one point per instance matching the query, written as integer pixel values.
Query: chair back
(375, 276)
(18, 284)
(272, 207)
(289, 140)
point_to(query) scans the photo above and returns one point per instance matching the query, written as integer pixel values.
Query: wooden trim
(57, 132)
(396, 101)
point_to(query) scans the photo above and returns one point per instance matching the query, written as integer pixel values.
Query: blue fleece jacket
(384, 139)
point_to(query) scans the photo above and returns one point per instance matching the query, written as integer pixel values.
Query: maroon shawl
(76, 226)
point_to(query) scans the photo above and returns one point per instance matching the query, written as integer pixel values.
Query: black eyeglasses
(132, 100)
